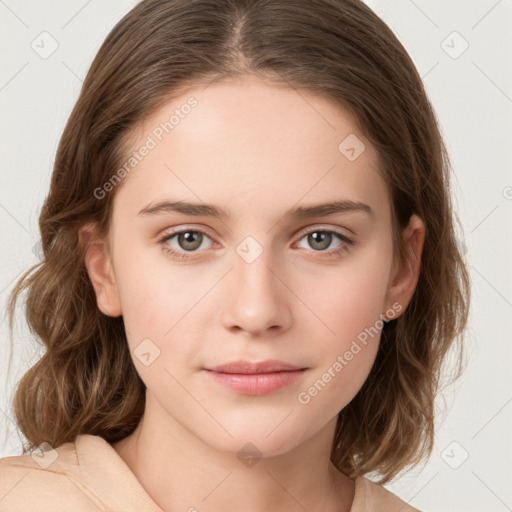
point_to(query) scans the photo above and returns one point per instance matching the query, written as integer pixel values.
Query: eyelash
(179, 255)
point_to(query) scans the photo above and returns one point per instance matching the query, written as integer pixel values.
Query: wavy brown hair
(86, 383)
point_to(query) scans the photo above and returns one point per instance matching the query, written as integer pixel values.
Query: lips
(251, 368)
(255, 378)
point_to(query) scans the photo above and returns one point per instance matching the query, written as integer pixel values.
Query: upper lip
(248, 367)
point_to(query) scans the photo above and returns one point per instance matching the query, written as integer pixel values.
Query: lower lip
(256, 384)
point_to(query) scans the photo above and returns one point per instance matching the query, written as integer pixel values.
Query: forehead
(251, 147)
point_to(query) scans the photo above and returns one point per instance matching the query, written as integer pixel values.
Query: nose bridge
(256, 299)
(254, 266)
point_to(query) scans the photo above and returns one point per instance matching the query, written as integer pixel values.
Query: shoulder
(85, 475)
(372, 497)
(40, 481)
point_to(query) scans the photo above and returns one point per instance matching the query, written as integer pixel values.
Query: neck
(180, 472)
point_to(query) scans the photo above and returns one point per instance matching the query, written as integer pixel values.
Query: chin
(269, 438)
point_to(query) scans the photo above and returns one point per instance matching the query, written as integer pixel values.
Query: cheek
(348, 298)
(336, 383)
(352, 318)
(161, 307)
(154, 294)
(142, 299)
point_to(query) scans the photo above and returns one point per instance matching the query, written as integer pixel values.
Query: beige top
(88, 475)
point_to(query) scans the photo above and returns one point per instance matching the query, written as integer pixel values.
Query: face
(259, 281)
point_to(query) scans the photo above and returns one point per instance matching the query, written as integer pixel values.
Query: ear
(405, 273)
(98, 263)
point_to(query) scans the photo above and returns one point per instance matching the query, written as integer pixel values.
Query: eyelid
(302, 232)
(184, 227)
(317, 227)
(299, 235)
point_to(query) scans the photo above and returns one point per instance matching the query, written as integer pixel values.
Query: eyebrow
(300, 212)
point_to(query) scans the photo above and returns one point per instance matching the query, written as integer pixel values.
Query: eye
(191, 240)
(321, 239)
(188, 240)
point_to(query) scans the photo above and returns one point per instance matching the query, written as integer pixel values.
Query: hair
(86, 382)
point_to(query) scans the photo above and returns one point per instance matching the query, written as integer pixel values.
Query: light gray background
(472, 95)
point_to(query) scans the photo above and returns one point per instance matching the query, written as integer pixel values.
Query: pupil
(320, 237)
(189, 240)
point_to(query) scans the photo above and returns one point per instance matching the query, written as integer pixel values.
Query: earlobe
(406, 272)
(98, 263)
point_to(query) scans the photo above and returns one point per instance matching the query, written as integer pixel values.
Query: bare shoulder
(370, 496)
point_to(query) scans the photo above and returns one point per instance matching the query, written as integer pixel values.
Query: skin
(255, 150)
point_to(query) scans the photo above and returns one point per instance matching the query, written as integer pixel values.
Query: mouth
(255, 378)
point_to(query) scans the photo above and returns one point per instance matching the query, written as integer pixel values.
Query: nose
(257, 296)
